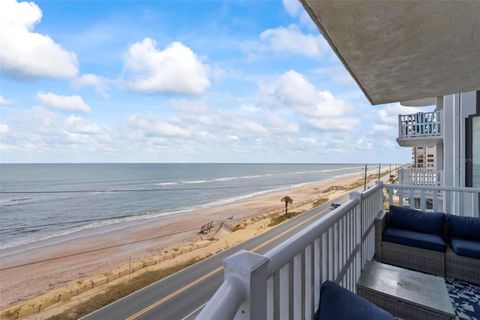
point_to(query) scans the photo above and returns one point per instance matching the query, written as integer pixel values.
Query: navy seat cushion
(466, 248)
(337, 303)
(415, 239)
(417, 220)
(463, 227)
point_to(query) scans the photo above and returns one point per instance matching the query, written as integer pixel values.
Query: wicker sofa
(462, 259)
(436, 243)
(412, 239)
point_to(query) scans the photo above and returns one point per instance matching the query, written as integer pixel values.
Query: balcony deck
(465, 298)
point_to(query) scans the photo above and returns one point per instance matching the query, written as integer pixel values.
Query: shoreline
(23, 283)
(113, 224)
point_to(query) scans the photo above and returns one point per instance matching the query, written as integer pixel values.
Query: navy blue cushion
(415, 239)
(466, 248)
(463, 227)
(417, 220)
(337, 303)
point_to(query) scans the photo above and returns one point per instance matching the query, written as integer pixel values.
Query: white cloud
(93, 81)
(288, 40)
(278, 124)
(3, 101)
(293, 7)
(296, 10)
(152, 126)
(340, 124)
(64, 103)
(25, 53)
(3, 128)
(389, 113)
(243, 124)
(39, 130)
(309, 140)
(79, 125)
(337, 74)
(189, 105)
(176, 69)
(383, 128)
(232, 137)
(293, 90)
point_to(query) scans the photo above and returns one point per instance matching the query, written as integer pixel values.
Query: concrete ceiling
(404, 50)
(420, 102)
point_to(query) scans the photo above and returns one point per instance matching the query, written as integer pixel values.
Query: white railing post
(381, 198)
(355, 195)
(251, 269)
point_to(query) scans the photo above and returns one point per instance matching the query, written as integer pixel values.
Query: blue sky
(180, 81)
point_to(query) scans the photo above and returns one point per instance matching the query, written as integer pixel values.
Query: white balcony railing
(453, 200)
(421, 124)
(420, 177)
(285, 282)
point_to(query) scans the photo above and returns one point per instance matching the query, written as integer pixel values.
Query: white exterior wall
(456, 108)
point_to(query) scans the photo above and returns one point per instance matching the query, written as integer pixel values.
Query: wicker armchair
(462, 268)
(463, 256)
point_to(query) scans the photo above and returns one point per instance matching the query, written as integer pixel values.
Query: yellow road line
(191, 284)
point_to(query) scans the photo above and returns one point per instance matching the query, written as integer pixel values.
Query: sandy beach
(64, 262)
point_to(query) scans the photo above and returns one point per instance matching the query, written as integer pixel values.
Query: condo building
(423, 157)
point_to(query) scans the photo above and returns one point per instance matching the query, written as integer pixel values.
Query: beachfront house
(416, 53)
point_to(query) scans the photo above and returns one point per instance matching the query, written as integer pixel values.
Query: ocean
(40, 201)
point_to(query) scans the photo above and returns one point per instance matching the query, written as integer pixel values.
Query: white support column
(251, 269)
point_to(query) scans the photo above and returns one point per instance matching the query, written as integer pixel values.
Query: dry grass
(118, 291)
(239, 226)
(319, 201)
(284, 217)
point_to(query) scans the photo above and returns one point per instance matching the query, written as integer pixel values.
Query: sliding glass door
(472, 159)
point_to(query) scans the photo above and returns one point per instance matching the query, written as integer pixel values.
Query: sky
(181, 81)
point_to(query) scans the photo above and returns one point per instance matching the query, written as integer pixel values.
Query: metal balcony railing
(422, 177)
(285, 282)
(421, 124)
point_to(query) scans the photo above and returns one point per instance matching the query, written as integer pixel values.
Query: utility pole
(379, 166)
(365, 180)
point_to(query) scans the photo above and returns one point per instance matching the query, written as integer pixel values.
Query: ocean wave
(166, 183)
(253, 176)
(226, 179)
(195, 181)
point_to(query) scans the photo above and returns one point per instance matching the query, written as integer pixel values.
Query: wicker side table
(406, 294)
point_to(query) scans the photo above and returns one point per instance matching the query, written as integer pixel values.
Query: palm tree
(287, 201)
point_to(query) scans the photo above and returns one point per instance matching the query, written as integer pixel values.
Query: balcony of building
(420, 176)
(419, 129)
(286, 282)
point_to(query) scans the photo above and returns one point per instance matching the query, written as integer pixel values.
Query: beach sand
(23, 283)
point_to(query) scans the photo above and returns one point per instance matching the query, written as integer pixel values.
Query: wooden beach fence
(206, 227)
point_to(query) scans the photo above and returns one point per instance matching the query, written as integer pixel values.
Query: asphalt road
(183, 294)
